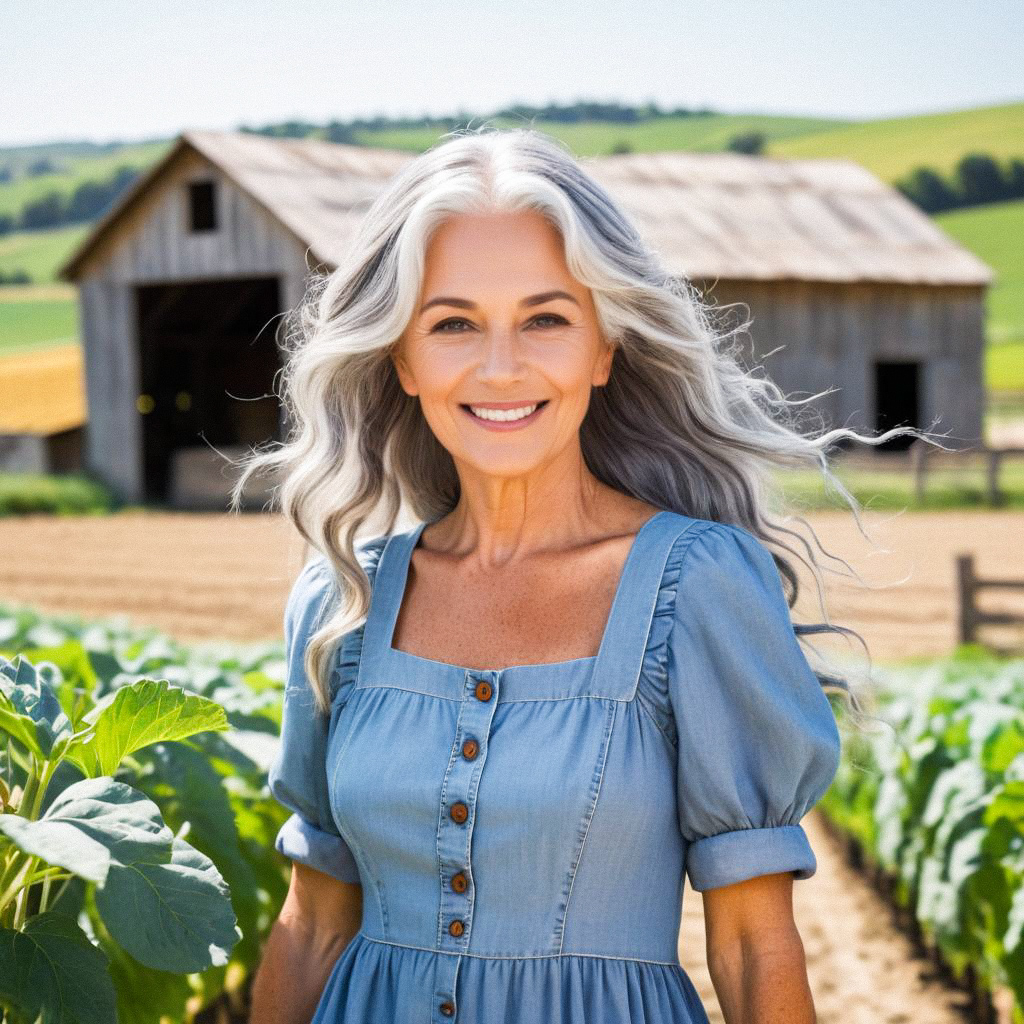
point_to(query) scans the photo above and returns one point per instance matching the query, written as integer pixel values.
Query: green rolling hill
(891, 147)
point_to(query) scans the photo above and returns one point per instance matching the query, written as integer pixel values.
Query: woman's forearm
(763, 983)
(293, 972)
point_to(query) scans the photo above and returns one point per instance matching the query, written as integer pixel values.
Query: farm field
(206, 577)
(217, 577)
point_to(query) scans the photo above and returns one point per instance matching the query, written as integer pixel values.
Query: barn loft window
(202, 206)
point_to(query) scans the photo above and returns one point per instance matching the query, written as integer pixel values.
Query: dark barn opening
(207, 356)
(897, 400)
(202, 204)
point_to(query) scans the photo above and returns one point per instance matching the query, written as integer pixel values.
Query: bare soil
(226, 577)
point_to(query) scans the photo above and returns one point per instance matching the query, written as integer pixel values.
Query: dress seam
(657, 725)
(513, 956)
(613, 718)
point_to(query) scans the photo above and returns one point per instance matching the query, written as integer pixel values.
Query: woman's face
(504, 345)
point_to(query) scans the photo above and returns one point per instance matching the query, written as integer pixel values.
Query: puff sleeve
(758, 742)
(298, 775)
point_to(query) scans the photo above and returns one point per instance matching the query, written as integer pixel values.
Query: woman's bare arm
(319, 917)
(755, 953)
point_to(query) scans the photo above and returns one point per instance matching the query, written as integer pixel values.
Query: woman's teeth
(503, 414)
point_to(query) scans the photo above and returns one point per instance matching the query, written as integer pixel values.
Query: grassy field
(959, 487)
(39, 253)
(893, 146)
(704, 134)
(36, 317)
(75, 170)
(996, 234)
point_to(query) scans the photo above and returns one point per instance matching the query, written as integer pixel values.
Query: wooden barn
(183, 282)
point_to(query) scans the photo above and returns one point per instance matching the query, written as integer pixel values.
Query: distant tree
(979, 179)
(46, 212)
(927, 189)
(336, 131)
(295, 130)
(6, 174)
(41, 166)
(747, 142)
(7, 223)
(1014, 178)
(621, 147)
(14, 277)
(285, 130)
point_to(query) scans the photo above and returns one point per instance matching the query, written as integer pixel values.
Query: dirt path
(862, 969)
(221, 576)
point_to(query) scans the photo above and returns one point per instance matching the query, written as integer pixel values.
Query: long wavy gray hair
(680, 424)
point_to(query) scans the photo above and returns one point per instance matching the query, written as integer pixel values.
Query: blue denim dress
(521, 834)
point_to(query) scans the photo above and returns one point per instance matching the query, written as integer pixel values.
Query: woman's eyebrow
(532, 300)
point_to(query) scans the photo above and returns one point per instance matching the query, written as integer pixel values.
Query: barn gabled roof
(710, 215)
(735, 216)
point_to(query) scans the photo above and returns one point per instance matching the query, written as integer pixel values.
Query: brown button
(483, 690)
(459, 812)
(459, 882)
(469, 749)
(456, 927)
(448, 1009)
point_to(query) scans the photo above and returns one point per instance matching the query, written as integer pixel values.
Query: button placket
(455, 832)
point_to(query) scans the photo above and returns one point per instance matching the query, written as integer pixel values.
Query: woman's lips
(505, 424)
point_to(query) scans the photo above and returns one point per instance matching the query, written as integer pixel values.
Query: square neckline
(400, 579)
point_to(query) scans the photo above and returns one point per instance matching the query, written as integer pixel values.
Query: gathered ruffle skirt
(378, 982)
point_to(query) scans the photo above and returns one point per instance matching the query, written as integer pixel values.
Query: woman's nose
(502, 357)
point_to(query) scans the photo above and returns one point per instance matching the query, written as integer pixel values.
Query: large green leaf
(174, 916)
(147, 711)
(90, 826)
(51, 969)
(190, 791)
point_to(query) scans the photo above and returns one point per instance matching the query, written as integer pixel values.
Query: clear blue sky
(111, 69)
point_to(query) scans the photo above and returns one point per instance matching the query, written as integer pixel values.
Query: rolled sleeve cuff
(731, 857)
(299, 840)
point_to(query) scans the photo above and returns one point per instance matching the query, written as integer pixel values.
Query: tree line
(89, 200)
(977, 178)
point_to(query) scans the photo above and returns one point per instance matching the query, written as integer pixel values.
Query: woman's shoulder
(713, 571)
(707, 551)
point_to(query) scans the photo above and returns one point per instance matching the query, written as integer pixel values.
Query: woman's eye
(451, 320)
(558, 320)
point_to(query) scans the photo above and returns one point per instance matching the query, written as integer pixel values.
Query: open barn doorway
(897, 400)
(208, 354)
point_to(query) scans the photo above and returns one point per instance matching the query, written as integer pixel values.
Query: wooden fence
(924, 458)
(971, 616)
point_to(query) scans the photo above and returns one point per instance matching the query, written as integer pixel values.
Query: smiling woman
(510, 731)
(521, 359)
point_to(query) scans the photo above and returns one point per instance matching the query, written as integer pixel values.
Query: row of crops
(932, 796)
(138, 879)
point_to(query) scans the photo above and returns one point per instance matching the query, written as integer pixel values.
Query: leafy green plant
(158, 898)
(210, 787)
(938, 802)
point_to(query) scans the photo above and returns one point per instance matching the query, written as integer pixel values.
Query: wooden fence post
(918, 454)
(994, 459)
(966, 586)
